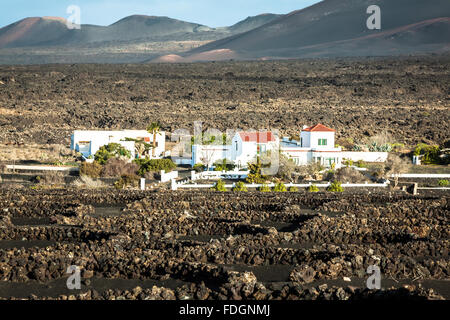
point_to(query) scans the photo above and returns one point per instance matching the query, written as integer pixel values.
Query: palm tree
(154, 128)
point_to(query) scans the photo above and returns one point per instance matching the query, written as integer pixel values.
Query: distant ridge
(52, 31)
(337, 28)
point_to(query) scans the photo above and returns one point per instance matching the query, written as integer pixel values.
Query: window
(322, 142)
(261, 148)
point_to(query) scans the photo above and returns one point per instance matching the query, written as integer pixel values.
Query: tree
(207, 156)
(396, 166)
(255, 172)
(286, 168)
(154, 128)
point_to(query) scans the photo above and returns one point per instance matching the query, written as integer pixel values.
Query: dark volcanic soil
(207, 245)
(408, 97)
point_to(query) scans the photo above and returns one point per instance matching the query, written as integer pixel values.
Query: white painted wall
(208, 154)
(97, 139)
(311, 139)
(300, 156)
(166, 177)
(365, 156)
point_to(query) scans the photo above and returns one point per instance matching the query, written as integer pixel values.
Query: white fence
(177, 185)
(41, 168)
(423, 175)
(166, 177)
(365, 156)
(216, 175)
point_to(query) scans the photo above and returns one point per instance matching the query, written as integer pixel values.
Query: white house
(208, 154)
(88, 142)
(316, 145)
(247, 146)
(244, 148)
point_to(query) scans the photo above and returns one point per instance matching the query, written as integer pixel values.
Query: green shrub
(293, 189)
(313, 188)
(92, 170)
(146, 165)
(112, 150)
(223, 165)
(348, 163)
(127, 180)
(361, 164)
(255, 175)
(198, 167)
(219, 186)
(443, 183)
(430, 154)
(280, 187)
(264, 188)
(335, 187)
(240, 186)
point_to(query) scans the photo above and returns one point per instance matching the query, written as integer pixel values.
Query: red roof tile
(259, 137)
(319, 127)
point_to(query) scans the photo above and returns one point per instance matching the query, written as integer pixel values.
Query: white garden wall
(166, 177)
(365, 156)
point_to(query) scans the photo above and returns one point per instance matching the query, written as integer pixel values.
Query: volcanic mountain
(336, 28)
(52, 31)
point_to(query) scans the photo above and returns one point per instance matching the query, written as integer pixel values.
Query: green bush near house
(313, 188)
(152, 165)
(348, 163)
(335, 186)
(198, 167)
(443, 183)
(223, 165)
(430, 154)
(255, 175)
(219, 186)
(240, 187)
(361, 164)
(112, 150)
(293, 189)
(264, 188)
(280, 187)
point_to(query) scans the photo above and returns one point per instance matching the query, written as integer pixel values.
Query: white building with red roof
(317, 144)
(247, 146)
